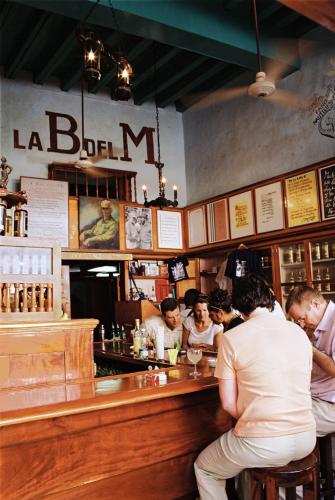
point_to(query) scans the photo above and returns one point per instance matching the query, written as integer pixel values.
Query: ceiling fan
(264, 86)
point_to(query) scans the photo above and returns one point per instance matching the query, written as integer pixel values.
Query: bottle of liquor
(298, 254)
(327, 280)
(317, 253)
(3, 208)
(291, 277)
(325, 250)
(117, 333)
(300, 277)
(137, 338)
(113, 332)
(20, 222)
(318, 285)
(122, 333)
(144, 344)
(102, 333)
(289, 255)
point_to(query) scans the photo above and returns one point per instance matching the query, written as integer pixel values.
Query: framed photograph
(48, 209)
(241, 215)
(217, 221)
(327, 191)
(98, 223)
(302, 199)
(169, 229)
(196, 219)
(138, 228)
(269, 207)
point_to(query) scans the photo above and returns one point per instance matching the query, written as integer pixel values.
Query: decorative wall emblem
(324, 109)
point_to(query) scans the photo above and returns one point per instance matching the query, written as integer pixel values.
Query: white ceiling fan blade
(291, 101)
(203, 101)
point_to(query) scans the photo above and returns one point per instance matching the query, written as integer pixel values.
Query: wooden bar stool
(265, 482)
(326, 467)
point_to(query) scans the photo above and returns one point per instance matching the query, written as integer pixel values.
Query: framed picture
(196, 219)
(169, 229)
(327, 191)
(138, 228)
(98, 223)
(302, 199)
(241, 215)
(48, 209)
(269, 207)
(217, 221)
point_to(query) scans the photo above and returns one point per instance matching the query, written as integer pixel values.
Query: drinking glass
(194, 355)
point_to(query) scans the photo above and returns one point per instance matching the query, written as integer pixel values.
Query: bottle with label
(289, 255)
(122, 333)
(144, 344)
(9, 223)
(327, 280)
(3, 208)
(291, 277)
(117, 333)
(102, 333)
(113, 332)
(317, 252)
(298, 254)
(318, 285)
(300, 277)
(20, 222)
(137, 338)
(325, 250)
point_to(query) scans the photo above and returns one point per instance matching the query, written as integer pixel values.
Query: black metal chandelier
(159, 202)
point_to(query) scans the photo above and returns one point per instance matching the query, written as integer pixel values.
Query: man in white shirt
(170, 319)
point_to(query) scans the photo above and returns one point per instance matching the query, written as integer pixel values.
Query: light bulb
(91, 56)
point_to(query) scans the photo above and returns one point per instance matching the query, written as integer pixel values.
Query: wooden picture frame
(302, 199)
(138, 228)
(48, 209)
(169, 229)
(218, 221)
(241, 215)
(269, 207)
(196, 224)
(327, 191)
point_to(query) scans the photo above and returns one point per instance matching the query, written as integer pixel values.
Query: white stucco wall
(241, 141)
(23, 106)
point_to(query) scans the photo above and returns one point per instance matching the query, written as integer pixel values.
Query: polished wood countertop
(46, 401)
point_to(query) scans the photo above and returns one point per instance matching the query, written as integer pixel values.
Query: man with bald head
(104, 233)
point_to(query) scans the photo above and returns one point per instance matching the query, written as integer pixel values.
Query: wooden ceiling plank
(59, 56)
(321, 12)
(148, 73)
(193, 84)
(28, 46)
(177, 75)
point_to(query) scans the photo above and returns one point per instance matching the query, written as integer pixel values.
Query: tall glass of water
(194, 355)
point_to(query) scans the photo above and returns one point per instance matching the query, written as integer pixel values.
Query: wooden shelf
(317, 261)
(13, 199)
(148, 278)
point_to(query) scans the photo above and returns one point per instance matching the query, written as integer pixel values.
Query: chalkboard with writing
(327, 184)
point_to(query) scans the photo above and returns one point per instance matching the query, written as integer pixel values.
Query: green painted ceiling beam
(59, 56)
(199, 26)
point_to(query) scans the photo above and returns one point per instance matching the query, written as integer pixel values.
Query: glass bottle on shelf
(3, 209)
(289, 255)
(300, 277)
(262, 262)
(291, 277)
(327, 280)
(20, 222)
(318, 285)
(325, 250)
(317, 253)
(298, 257)
(137, 338)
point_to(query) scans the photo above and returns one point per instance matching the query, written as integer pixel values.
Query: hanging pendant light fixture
(92, 50)
(160, 202)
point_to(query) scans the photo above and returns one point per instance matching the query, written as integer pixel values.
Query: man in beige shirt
(170, 320)
(264, 371)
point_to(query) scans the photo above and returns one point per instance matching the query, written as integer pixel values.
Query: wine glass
(194, 355)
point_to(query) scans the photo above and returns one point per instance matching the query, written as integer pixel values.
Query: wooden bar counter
(114, 437)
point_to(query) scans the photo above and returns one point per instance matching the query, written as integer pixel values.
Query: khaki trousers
(229, 455)
(324, 414)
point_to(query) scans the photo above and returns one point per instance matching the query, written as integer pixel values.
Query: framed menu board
(241, 215)
(302, 199)
(196, 227)
(269, 207)
(327, 194)
(48, 209)
(217, 221)
(169, 229)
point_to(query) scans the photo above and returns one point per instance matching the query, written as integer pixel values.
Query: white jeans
(324, 414)
(229, 455)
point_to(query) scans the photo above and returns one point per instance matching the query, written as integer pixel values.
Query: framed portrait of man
(138, 226)
(98, 223)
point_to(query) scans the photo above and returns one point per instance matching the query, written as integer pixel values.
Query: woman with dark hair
(221, 311)
(199, 330)
(190, 297)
